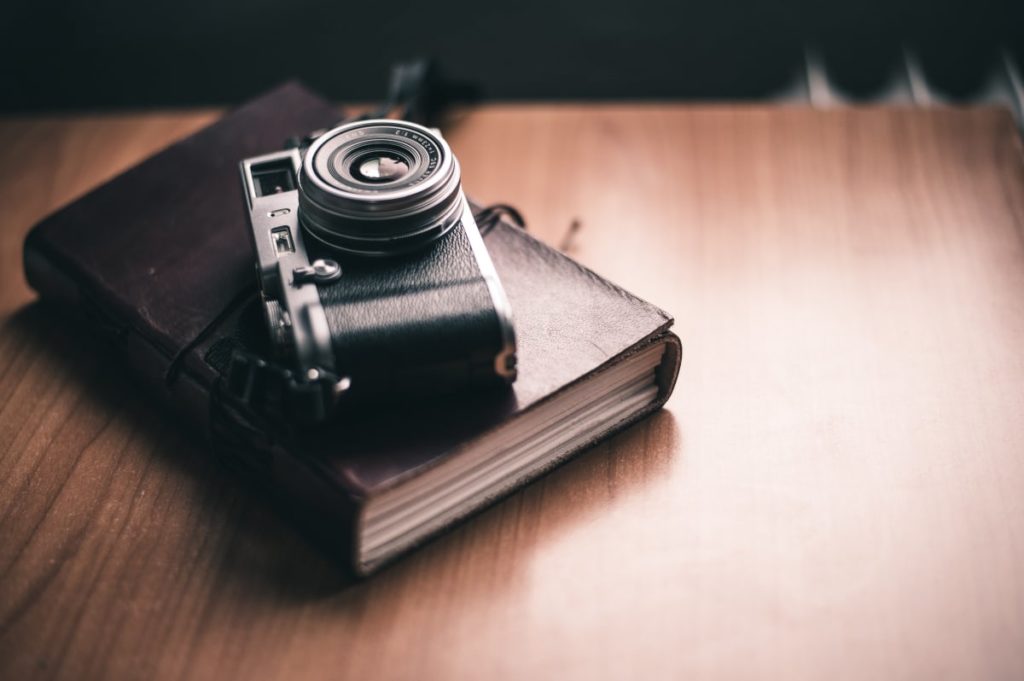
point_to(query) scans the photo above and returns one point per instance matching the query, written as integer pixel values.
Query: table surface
(834, 490)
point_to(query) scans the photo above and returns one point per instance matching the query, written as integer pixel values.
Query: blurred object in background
(907, 83)
(117, 53)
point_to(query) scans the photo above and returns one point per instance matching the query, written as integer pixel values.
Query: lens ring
(351, 214)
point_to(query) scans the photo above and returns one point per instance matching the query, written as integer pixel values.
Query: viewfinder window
(274, 177)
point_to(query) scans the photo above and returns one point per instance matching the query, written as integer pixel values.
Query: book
(158, 260)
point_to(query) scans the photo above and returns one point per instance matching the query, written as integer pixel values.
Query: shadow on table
(259, 556)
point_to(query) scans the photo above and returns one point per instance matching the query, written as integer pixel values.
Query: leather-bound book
(159, 261)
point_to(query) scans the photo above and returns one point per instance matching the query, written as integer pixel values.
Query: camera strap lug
(279, 394)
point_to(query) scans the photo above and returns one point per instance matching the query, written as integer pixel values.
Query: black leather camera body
(374, 278)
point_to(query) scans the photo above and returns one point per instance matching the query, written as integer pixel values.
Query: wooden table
(836, 490)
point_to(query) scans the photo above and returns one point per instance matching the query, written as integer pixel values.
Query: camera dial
(379, 188)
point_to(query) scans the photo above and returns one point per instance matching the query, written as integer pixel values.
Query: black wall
(132, 53)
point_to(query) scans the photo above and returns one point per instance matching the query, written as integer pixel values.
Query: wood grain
(834, 491)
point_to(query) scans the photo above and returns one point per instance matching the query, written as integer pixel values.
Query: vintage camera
(373, 274)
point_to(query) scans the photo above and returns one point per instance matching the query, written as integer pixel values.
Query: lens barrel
(379, 187)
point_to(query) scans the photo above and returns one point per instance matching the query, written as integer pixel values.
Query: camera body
(372, 272)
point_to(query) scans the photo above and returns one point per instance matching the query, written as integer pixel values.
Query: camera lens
(379, 187)
(380, 168)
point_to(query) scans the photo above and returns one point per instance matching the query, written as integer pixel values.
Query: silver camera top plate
(287, 278)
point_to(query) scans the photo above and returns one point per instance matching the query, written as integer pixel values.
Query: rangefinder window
(273, 178)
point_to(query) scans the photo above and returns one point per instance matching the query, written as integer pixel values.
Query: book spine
(55, 282)
(43, 275)
(321, 511)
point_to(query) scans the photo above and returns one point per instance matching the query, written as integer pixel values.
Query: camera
(374, 278)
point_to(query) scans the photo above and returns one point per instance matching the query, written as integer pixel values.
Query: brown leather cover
(159, 260)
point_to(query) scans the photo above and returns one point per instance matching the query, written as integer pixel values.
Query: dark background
(132, 53)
